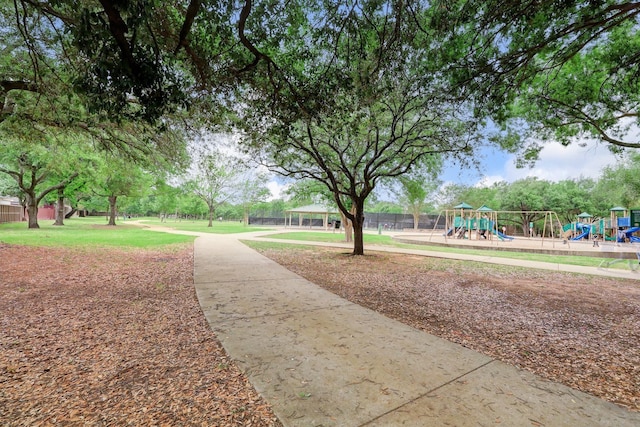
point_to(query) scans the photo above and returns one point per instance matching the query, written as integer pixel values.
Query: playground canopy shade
(484, 208)
(463, 206)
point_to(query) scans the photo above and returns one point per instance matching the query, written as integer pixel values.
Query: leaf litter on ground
(113, 337)
(579, 330)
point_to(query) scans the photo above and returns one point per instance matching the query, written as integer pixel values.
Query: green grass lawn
(93, 232)
(87, 232)
(218, 227)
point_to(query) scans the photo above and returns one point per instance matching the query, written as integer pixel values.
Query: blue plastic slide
(628, 233)
(583, 235)
(501, 235)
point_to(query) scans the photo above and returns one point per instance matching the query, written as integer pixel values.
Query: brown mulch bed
(583, 331)
(113, 337)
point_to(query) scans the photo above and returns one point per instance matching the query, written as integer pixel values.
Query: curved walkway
(320, 360)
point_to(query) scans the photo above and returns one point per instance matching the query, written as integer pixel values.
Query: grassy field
(86, 232)
(201, 226)
(93, 232)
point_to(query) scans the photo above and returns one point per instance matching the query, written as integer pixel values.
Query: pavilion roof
(313, 209)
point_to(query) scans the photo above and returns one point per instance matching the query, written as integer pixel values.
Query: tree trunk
(358, 235)
(416, 220)
(245, 220)
(348, 228)
(112, 209)
(211, 212)
(60, 207)
(32, 210)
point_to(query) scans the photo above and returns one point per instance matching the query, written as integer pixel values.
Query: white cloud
(276, 189)
(557, 163)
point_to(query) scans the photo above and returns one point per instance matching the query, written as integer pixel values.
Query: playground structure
(620, 227)
(586, 227)
(465, 223)
(624, 226)
(466, 228)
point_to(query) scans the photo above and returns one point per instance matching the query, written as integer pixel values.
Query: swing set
(463, 222)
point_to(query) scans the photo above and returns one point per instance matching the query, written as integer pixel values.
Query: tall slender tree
(252, 189)
(414, 194)
(117, 177)
(527, 198)
(216, 177)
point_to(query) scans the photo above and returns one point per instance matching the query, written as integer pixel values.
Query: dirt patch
(579, 330)
(113, 337)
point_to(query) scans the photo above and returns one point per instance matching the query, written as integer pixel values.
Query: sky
(556, 163)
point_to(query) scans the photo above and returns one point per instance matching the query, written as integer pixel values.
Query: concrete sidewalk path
(320, 360)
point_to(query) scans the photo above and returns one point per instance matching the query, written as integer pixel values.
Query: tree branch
(58, 186)
(48, 10)
(192, 11)
(244, 40)
(583, 117)
(8, 85)
(118, 29)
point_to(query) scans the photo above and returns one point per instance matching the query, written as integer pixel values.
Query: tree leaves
(568, 68)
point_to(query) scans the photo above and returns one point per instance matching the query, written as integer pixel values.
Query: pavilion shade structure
(310, 212)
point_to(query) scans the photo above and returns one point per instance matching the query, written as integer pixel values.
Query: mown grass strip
(201, 226)
(87, 232)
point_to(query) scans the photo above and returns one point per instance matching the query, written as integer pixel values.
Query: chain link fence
(372, 221)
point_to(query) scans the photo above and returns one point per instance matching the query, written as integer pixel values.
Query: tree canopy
(347, 93)
(547, 70)
(362, 102)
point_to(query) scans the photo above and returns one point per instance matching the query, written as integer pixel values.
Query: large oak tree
(351, 97)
